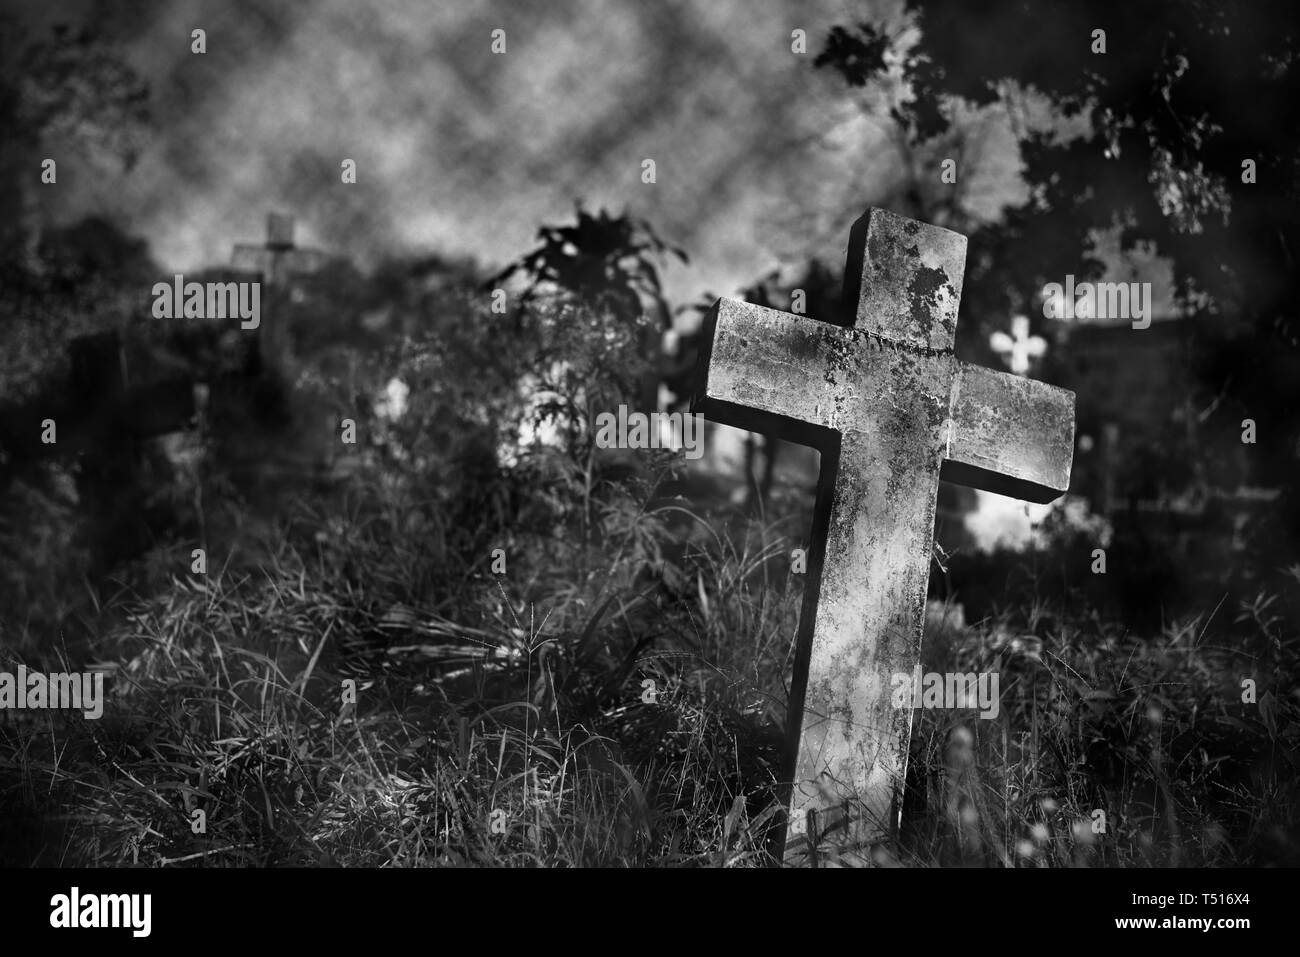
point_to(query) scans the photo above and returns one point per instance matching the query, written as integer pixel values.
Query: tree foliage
(1184, 94)
(604, 260)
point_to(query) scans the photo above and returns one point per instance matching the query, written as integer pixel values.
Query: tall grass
(615, 698)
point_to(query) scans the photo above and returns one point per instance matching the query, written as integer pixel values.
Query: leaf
(729, 823)
(1268, 712)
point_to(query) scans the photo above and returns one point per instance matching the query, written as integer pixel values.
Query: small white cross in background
(1020, 347)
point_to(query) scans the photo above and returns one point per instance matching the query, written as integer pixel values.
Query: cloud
(761, 159)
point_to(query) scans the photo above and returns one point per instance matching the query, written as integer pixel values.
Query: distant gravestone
(1019, 349)
(278, 257)
(101, 410)
(103, 417)
(274, 262)
(892, 411)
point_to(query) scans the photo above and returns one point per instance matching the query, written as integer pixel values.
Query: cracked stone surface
(893, 411)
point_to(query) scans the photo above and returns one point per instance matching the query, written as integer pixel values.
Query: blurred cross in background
(279, 257)
(274, 263)
(1020, 348)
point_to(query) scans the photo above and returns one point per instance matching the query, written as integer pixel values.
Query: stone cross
(274, 262)
(101, 410)
(279, 257)
(892, 411)
(102, 417)
(1019, 347)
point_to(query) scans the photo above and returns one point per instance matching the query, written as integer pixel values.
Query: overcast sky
(762, 161)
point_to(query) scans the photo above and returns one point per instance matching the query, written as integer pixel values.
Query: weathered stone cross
(274, 263)
(893, 411)
(279, 257)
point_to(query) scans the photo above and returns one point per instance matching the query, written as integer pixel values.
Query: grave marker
(893, 411)
(274, 262)
(101, 410)
(104, 416)
(1018, 349)
(278, 258)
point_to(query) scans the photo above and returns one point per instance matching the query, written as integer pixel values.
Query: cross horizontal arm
(251, 258)
(263, 260)
(1009, 434)
(774, 372)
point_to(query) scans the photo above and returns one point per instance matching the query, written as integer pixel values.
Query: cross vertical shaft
(852, 745)
(274, 262)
